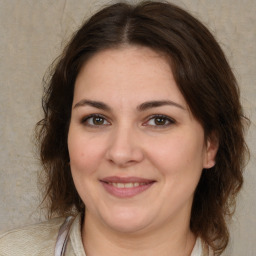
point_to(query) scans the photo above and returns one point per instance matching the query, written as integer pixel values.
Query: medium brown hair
(204, 78)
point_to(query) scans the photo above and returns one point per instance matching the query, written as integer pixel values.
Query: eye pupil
(98, 120)
(160, 121)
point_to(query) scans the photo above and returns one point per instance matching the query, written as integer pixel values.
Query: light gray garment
(40, 240)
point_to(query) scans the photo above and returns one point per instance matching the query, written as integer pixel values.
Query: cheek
(178, 154)
(85, 152)
(85, 157)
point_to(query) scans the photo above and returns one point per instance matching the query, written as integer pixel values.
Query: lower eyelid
(169, 121)
(86, 118)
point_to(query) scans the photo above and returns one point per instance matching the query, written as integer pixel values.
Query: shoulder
(37, 239)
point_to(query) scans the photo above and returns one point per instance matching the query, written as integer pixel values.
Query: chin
(127, 221)
(127, 227)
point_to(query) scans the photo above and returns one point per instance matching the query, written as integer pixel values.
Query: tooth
(128, 185)
(120, 185)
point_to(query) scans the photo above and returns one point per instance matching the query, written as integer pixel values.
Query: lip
(126, 192)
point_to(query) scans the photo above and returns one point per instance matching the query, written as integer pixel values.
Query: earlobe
(212, 147)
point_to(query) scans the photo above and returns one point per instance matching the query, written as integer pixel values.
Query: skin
(127, 140)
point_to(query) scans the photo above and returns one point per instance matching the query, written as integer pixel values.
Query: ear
(212, 146)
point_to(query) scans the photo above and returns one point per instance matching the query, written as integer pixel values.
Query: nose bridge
(124, 147)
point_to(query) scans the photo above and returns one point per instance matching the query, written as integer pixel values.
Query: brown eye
(98, 120)
(95, 120)
(159, 121)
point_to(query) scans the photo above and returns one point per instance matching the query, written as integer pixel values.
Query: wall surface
(32, 35)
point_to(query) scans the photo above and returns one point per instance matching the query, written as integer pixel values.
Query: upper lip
(117, 179)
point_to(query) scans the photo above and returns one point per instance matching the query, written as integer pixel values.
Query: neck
(169, 240)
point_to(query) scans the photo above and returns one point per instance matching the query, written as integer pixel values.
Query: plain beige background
(32, 34)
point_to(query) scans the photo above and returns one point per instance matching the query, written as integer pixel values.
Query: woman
(142, 140)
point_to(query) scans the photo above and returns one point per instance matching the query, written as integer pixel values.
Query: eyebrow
(95, 104)
(158, 103)
(142, 107)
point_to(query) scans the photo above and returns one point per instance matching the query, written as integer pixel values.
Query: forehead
(132, 72)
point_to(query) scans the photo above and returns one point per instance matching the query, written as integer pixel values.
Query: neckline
(75, 237)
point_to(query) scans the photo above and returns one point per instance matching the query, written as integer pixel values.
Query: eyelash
(164, 118)
(86, 119)
(167, 121)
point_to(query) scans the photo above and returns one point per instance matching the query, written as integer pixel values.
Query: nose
(125, 147)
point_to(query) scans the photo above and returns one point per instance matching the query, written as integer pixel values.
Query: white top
(197, 251)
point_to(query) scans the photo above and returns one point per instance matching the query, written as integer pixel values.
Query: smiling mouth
(126, 187)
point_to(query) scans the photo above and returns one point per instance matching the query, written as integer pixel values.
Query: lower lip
(125, 192)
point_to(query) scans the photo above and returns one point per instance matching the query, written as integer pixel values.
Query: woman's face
(136, 151)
